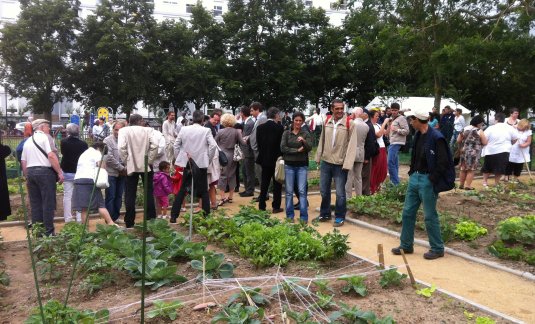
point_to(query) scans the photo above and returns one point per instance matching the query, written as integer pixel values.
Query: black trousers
(268, 173)
(186, 182)
(249, 174)
(130, 197)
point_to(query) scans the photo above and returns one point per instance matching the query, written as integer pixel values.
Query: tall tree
(35, 52)
(202, 69)
(112, 56)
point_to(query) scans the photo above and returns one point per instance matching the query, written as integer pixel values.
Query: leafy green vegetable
(427, 292)
(469, 230)
(391, 277)
(165, 310)
(238, 313)
(356, 284)
(55, 312)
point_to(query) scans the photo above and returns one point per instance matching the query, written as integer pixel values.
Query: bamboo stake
(409, 271)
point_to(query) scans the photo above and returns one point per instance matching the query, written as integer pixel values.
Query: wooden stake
(411, 277)
(381, 256)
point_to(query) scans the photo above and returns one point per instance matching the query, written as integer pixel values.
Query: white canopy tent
(407, 103)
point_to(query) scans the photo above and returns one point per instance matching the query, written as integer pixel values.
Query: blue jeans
(393, 163)
(420, 190)
(328, 172)
(292, 175)
(114, 196)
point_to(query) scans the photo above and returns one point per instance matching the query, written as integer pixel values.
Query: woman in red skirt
(379, 164)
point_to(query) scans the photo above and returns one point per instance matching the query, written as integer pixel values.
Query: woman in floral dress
(471, 141)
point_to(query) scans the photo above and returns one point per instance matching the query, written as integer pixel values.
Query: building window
(308, 3)
(218, 11)
(189, 7)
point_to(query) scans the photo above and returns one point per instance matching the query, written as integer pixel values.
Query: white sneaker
(119, 221)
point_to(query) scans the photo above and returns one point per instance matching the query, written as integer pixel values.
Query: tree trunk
(438, 91)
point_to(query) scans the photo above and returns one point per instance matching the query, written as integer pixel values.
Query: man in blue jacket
(431, 172)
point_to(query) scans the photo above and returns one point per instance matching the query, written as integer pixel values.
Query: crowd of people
(208, 157)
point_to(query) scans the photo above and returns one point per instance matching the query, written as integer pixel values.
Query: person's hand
(301, 149)
(60, 178)
(300, 139)
(366, 161)
(123, 172)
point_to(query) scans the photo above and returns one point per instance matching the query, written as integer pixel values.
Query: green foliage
(253, 294)
(44, 32)
(55, 312)
(469, 230)
(95, 282)
(391, 277)
(268, 241)
(238, 313)
(355, 315)
(165, 310)
(356, 284)
(427, 291)
(4, 278)
(322, 286)
(395, 193)
(214, 266)
(376, 205)
(500, 250)
(484, 320)
(517, 229)
(157, 272)
(297, 317)
(325, 301)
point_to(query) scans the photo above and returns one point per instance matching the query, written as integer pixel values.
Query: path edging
(483, 308)
(491, 264)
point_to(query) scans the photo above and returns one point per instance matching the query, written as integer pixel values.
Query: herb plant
(427, 291)
(247, 295)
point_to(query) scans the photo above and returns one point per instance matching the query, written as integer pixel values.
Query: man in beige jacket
(336, 154)
(134, 142)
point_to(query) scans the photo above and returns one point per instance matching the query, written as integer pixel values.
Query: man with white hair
(41, 168)
(71, 149)
(354, 176)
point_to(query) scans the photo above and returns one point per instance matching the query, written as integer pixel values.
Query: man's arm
(121, 145)
(351, 153)
(403, 127)
(111, 161)
(53, 158)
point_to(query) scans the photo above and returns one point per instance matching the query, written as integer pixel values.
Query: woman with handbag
(91, 172)
(295, 145)
(227, 138)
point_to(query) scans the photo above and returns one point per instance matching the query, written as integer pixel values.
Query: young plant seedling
(356, 284)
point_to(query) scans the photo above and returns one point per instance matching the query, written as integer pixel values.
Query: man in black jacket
(371, 149)
(269, 136)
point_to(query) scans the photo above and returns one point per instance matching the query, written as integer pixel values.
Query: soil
(481, 207)
(402, 303)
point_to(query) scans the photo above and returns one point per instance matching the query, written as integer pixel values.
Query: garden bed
(487, 208)
(121, 298)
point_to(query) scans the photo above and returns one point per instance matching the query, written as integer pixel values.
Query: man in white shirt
(169, 131)
(41, 168)
(97, 130)
(458, 125)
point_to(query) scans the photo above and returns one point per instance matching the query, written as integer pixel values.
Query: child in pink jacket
(163, 186)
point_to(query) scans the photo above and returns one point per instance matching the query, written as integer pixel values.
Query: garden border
(483, 308)
(491, 264)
